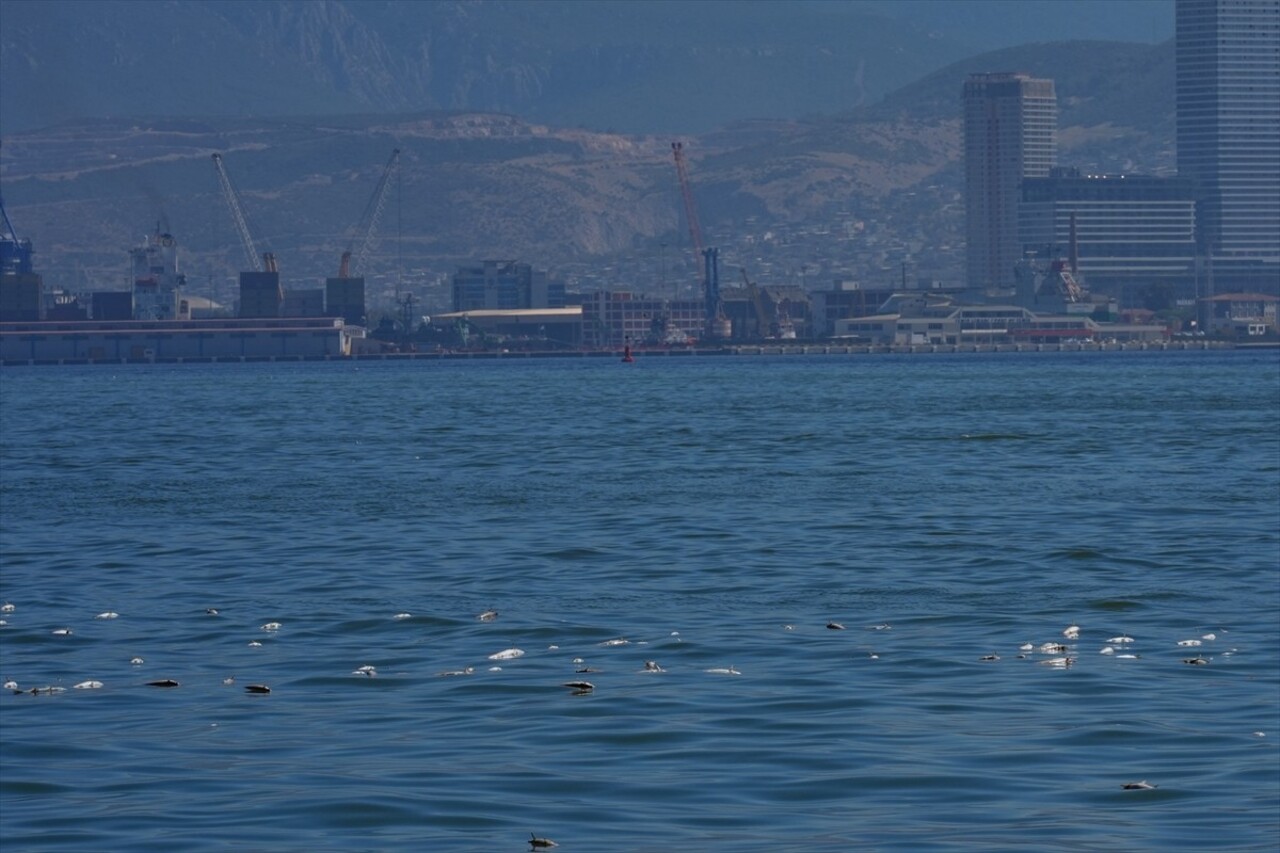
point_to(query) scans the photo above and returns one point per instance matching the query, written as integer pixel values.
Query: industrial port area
(1040, 279)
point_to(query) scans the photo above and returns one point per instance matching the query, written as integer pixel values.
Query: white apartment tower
(1010, 133)
(1228, 108)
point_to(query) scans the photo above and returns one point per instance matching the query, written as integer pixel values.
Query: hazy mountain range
(533, 130)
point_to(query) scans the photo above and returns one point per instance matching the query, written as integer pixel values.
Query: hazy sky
(991, 24)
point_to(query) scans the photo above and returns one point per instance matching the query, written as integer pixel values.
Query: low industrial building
(190, 340)
(989, 324)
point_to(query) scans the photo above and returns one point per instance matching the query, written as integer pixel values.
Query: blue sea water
(714, 513)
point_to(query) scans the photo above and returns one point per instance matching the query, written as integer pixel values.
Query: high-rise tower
(1228, 106)
(1010, 133)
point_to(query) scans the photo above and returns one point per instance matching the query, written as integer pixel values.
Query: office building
(504, 285)
(1130, 230)
(1010, 133)
(1228, 111)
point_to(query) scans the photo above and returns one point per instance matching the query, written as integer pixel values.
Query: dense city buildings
(1228, 137)
(1122, 232)
(1010, 133)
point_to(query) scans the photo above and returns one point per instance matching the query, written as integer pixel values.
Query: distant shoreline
(736, 350)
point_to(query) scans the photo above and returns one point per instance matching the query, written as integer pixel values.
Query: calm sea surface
(714, 514)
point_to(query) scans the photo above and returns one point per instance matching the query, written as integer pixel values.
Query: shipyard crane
(237, 215)
(690, 209)
(368, 227)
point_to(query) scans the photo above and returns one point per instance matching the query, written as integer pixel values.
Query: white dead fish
(723, 671)
(652, 666)
(271, 626)
(487, 616)
(881, 627)
(1209, 637)
(10, 685)
(1052, 648)
(1072, 632)
(1026, 647)
(1121, 639)
(7, 608)
(211, 611)
(403, 616)
(448, 673)
(617, 641)
(88, 685)
(229, 680)
(507, 654)
(1107, 650)
(835, 626)
(63, 632)
(580, 685)
(1058, 663)
(1195, 661)
(109, 614)
(1190, 643)
(1144, 785)
(536, 843)
(989, 657)
(254, 644)
(137, 661)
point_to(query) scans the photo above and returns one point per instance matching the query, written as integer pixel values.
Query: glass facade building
(1228, 109)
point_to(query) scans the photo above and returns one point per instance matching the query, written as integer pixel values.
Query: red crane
(690, 209)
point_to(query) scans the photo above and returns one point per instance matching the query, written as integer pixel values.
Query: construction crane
(367, 229)
(237, 215)
(716, 322)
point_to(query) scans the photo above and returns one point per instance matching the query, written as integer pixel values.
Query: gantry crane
(237, 215)
(367, 229)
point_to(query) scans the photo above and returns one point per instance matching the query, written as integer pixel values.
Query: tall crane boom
(690, 209)
(353, 260)
(237, 214)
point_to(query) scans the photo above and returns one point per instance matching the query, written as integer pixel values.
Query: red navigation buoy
(627, 357)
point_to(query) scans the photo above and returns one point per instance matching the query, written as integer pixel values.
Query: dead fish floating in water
(271, 626)
(1144, 785)
(536, 843)
(1195, 661)
(585, 686)
(723, 670)
(63, 632)
(402, 616)
(88, 685)
(164, 682)
(487, 616)
(617, 641)
(257, 688)
(652, 666)
(109, 614)
(454, 672)
(835, 626)
(989, 657)
(1071, 632)
(507, 654)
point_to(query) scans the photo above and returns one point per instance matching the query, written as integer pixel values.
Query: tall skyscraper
(1228, 106)
(1010, 133)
